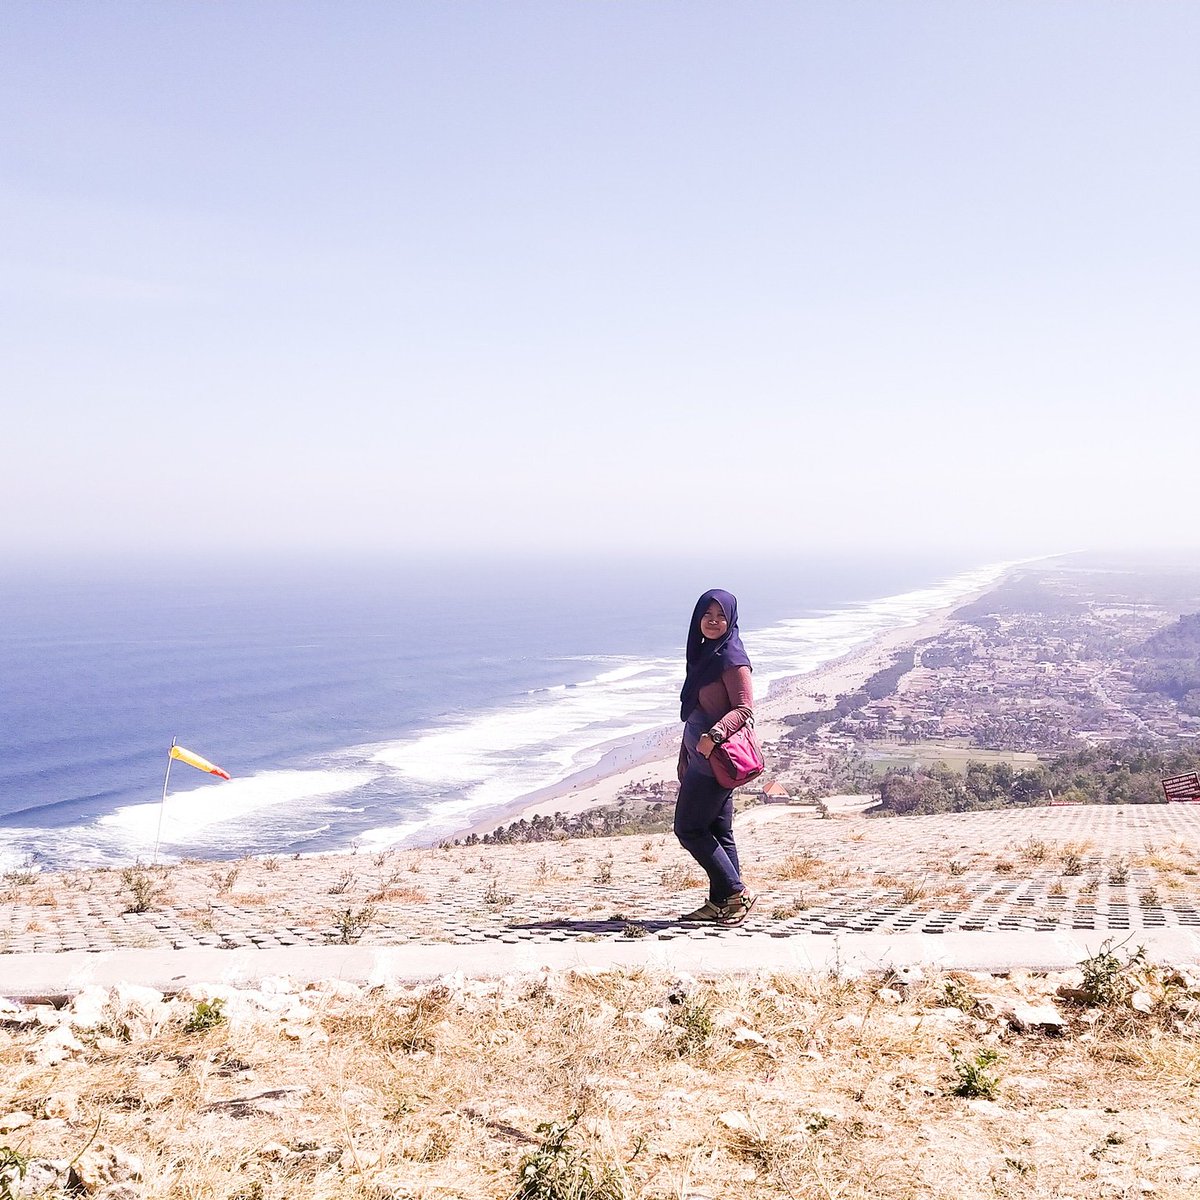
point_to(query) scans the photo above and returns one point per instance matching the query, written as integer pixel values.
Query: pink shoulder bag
(738, 759)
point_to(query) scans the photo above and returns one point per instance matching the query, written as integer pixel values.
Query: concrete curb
(42, 976)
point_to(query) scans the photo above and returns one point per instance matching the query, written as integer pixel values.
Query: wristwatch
(716, 736)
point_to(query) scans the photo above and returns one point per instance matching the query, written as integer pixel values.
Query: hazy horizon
(370, 280)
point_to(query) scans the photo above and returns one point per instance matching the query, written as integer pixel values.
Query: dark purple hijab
(707, 660)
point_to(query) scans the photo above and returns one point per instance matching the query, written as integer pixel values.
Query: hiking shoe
(735, 909)
(708, 911)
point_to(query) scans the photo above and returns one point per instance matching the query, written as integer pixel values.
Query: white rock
(604, 1015)
(277, 985)
(42, 1176)
(747, 1037)
(1141, 1002)
(89, 1008)
(15, 1120)
(100, 1166)
(58, 1045)
(61, 1106)
(453, 982)
(125, 994)
(888, 996)
(1037, 1016)
(654, 1019)
(737, 1121)
(912, 973)
(987, 1108)
(990, 1005)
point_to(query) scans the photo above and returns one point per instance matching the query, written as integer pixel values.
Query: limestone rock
(748, 1037)
(15, 1120)
(97, 1168)
(89, 1008)
(58, 1045)
(991, 1006)
(125, 994)
(737, 1121)
(987, 1108)
(888, 995)
(61, 1106)
(654, 1019)
(1037, 1016)
(42, 1176)
(1188, 976)
(277, 985)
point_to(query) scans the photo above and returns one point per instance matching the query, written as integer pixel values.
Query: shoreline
(650, 757)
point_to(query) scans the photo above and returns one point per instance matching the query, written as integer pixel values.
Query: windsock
(194, 760)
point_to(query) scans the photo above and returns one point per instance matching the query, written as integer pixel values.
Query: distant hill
(1169, 663)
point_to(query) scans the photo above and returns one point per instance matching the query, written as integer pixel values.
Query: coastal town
(1034, 668)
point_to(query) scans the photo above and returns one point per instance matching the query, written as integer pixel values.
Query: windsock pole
(163, 805)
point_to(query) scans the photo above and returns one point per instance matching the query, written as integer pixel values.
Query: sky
(382, 277)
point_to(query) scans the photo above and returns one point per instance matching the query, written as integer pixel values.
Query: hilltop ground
(944, 1006)
(873, 1076)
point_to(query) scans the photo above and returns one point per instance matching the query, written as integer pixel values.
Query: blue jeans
(704, 827)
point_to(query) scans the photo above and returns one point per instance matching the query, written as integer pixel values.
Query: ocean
(371, 704)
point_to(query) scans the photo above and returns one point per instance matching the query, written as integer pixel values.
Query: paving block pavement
(1039, 887)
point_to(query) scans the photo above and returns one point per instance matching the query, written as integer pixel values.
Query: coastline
(650, 757)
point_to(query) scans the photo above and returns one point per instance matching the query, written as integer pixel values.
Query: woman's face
(713, 624)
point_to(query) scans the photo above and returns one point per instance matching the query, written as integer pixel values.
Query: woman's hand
(705, 745)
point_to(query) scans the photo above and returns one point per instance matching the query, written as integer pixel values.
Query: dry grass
(801, 865)
(782, 1086)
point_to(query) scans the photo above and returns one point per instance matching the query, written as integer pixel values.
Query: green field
(884, 755)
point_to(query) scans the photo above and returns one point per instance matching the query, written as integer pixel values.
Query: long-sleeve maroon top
(727, 703)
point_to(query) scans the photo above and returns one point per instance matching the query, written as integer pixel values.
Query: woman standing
(716, 702)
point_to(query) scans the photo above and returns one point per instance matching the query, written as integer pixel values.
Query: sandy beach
(650, 757)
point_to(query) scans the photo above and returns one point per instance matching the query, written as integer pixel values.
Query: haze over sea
(372, 704)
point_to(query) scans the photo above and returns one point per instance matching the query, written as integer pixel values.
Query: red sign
(1182, 787)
